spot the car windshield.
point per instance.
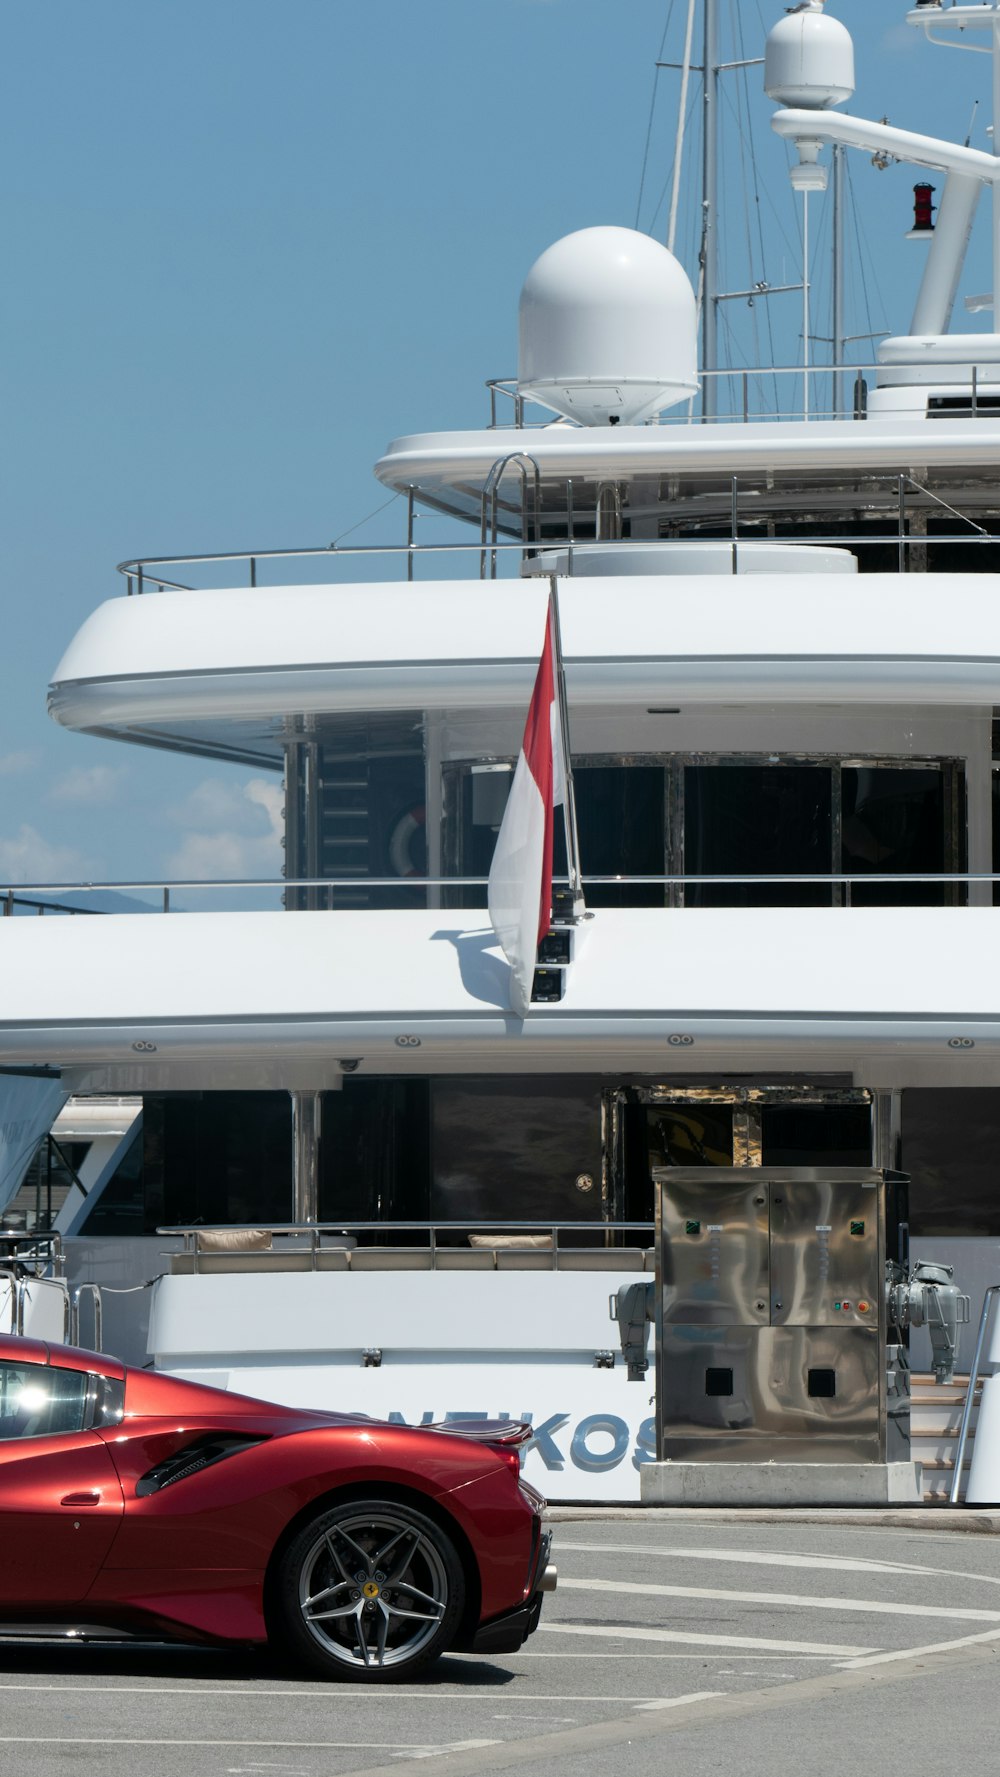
(37, 1401)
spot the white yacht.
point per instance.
(358, 1179)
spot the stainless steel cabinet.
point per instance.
(772, 1338)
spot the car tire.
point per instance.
(369, 1592)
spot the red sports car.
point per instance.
(140, 1502)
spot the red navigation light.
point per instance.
(923, 209)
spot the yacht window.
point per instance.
(816, 1135)
(895, 822)
(738, 817)
(374, 1155)
(752, 820)
(217, 1157)
(950, 1142)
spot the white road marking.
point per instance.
(831, 1651)
(885, 1607)
(547, 1654)
(452, 1746)
(912, 1653)
(834, 1563)
(421, 1747)
(676, 1702)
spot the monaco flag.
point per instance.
(520, 892)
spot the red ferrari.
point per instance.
(142, 1503)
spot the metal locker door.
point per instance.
(826, 1262)
(713, 1239)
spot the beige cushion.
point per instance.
(233, 1240)
(510, 1242)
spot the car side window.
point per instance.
(38, 1401)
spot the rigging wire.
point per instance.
(356, 527)
(861, 245)
(652, 109)
(692, 107)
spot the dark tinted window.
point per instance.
(751, 820)
(620, 818)
(816, 1135)
(951, 1140)
(37, 1401)
(375, 1153)
(217, 1157)
(894, 822)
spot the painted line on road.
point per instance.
(417, 1748)
(678, 1702)
(395, 1694)
(884, 1607)
(698, 1640)
(638, 1654)
(913, 1653)
(834, 1563)
(621, 1736)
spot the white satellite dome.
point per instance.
(809, 60)
(608, 328)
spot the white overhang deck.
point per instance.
(133, 1002)
(448, 469)
(224, 671)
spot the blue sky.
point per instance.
(247, 242)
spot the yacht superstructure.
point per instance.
(385, 1191)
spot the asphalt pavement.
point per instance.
(717, 1643)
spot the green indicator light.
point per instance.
(857, 1227)
(692, 1227)
(837, 1307)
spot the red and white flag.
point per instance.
(520, 891)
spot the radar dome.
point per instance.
(809, 60)
(608, 328)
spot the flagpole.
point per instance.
(569, 800)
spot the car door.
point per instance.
(61, 1500)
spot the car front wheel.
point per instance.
(371, 1591)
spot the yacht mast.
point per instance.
(709, 212)
(681, 127)
(838, 275)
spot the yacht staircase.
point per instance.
(935, 1417)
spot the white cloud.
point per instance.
(89, 785)
(271, 798)
(12, 764)
(228, 830)
(29, 858)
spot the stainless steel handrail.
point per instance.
(20, 1299)
(765, 378)
(256, 885)
(963, 1434)
(314, 1231)
(139, 570)
(94, 1291)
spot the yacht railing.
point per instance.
(164, 892)
(774, 392)
(540, 1238)
(901, 494)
